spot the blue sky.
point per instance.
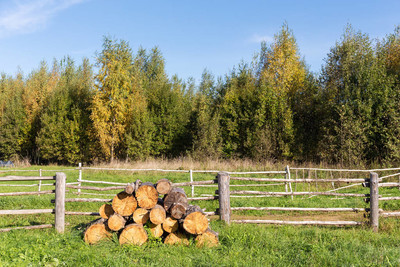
(192, 35)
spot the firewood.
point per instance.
(132, 187)
(106, 211)
(208, 239)
(195, 221)
(133, 234)
(157, 214)
(163, 186)
(141, 216)
(116, 222)
(176, 238)
(156, 229)
(176, 202)
(124, 204)
(147, 196)
(170, 225)
(96, 231)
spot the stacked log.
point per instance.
(138, 212)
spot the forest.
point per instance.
(126, 107)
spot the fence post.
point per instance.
(40, 181)
(80, 178)
(191, 180)
(287, 170)
(224, 197)
(374, 201)
(60, 202)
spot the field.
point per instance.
(241, 245)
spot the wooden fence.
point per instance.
(224, 194)
(58, 211)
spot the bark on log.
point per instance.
(176, 202)
(132, 187)
(177, 238)
(157, 214)
(140, 216)
(170, 225)
(195, 222)
(96, 231)
(124, 204)
(208, 239)
(147, 196)
(156, 229)
(106, 211)
(133, 234)
(116, 222)
(163, 186)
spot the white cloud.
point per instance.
(256, 38)
(25, 16)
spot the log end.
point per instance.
(156, 229)
(106, 211)
(177, 238)
(124, 204)
(195, 223)
(96, 233)
(170, 225)
(133, 234)
(140, 216)
(147, 196)
(207, 239)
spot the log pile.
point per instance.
(139, 211)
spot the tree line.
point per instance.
(271, 108)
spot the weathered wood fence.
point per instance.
(58, 211)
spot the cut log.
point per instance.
(163, 186)
(116, 222)
(195, 221)
(133, 234)
(124, 204)
(177, 238)
(178, 210)
(132, 187)
(156, 229)
(140, 216)
(157, 214)
(208, 239)
(170, 225)
(147, 196)
(96, 232)
(176, 195)
(106, 211)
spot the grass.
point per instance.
(241, 245)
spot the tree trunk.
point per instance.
(177, 238)
(209, 239)
(124, 204)
(156, 229)
(176, 202)
(195, 221)
(157, 214)
(147, 196)
(133, 234)
(140, 216)
(116, 222)
(170, 225)
(106, 211)
(163, 186)
(96, 231)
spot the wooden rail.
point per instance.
(334, 223)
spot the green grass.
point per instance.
(241, 245)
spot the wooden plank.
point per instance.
(87, 200)
(94, 188)
(243, 192)
(301, 209)
(27, 227)
(27, 193)
(283, 180)
(202, 198)
(25, 178)
(335, 223)
(26, 211)
(82, 213)
(196, 183)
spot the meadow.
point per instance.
(240, 244)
